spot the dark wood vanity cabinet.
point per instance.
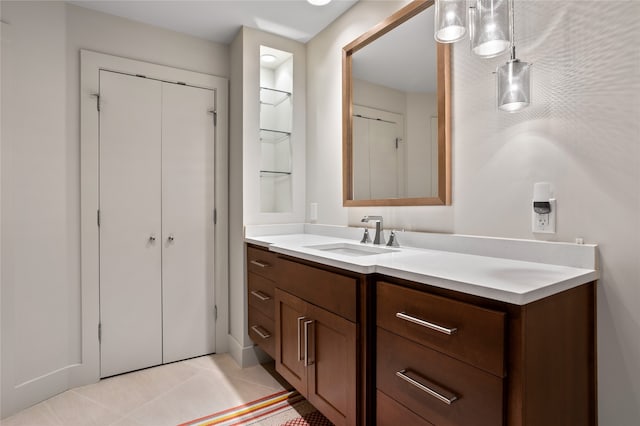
(311, 315)
(374, 350)
(449, 358)
(316, 353)
(262, 268)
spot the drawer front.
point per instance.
(466, 332)
(262, 262)
(262, 331)
(331, 291)
(261, 294)
(423, 380)
(390, 413)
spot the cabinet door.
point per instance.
(290, 318)
(187, 222)
(332, 376)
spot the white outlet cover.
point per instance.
(544, 223)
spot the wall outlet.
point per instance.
(544, 223)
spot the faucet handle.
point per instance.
(393, 240)
(366, 238)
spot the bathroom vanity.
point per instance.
(417, 336)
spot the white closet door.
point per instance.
(361, 166)
(383, 159)
(187, 222)
(130, 229)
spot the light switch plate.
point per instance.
(544, 223)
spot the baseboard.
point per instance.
(246, 356)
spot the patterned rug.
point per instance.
(285, 408)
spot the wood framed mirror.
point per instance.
(396, 113)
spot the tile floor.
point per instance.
(164, 395)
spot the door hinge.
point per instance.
(97, 96)
(215, 216)
(98, 218)
(99, 332)
(215, 312)
(215, 116)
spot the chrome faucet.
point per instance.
(379, 238)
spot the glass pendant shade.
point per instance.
(450, 20)
(514, 85)
(490, 27)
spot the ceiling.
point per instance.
(220, 20)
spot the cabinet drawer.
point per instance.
(477, 335)
(333, 292)
(390, 413)
(476, 395)
(261, 331)
(261, 294)
(262, 262)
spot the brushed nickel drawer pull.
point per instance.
(427, 324)
(447, 399)
(260, 264)
(260, 295)
(264, 334)
(308, 359)
(300, 319)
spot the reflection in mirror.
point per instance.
(395, 113)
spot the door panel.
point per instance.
(130, 201)
(187, 222)
(289, 309)
(332, 380)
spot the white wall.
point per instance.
(244, 165)
(582, 133)
(40, 154)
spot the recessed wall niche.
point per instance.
(276, 92)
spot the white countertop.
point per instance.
(513, 281)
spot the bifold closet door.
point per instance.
(187, 221)
(130, 223)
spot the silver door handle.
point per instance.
(300, 319)
(260, 264)
(307, 359)
(171, 238)
(152, 238)
(260, 295)
(447, 399)
(264, 334)
(427, 324)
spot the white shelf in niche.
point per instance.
(273, 97)
(273, 136)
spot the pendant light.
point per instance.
(513, 80)
(450, 20)
(490, 27)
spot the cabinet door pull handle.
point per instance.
(427, 324)
(308, 359)
(264, 334)
(260, 295)
(441, 394)
(260, 264)
(300, 319)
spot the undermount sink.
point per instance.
(355, 250)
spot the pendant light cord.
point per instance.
(512, 29)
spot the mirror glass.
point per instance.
(395, 113)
